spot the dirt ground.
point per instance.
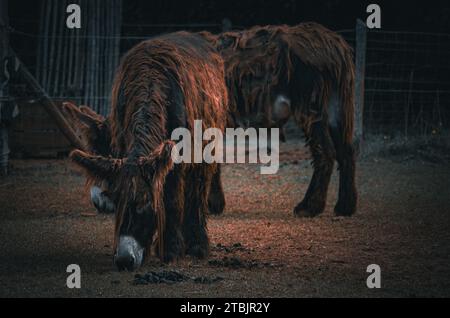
(258, 248)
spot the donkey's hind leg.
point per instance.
(323, 153)
(345, 154)
(216, 198)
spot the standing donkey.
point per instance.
(305, 71)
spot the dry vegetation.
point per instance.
(258, 247)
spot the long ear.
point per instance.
(90, 127)
(83, 114)
(155, 168)
(92, 114)
(96, 166)
(158, 164)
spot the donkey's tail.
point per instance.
(346, 88)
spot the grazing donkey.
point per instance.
(161, 84)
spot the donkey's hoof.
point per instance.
(304, 210)
(216, 204)
(198, 251)
(344, 209)
(170, 256)
(172, 251)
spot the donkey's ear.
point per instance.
(96, 166)
(158, 164)
(84, 115)
(92, 114)
(155, 169)
(90, 127)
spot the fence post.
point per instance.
(50, 107)
(360, 61)
(4, 48)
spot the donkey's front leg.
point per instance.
(323, 154)
(194, 227)
(174, 206)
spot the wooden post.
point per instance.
(50, 107)
(361, 43)
(4, 50)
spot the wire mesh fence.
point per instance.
(407, 87)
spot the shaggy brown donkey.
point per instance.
(161, 84)
(305, 71)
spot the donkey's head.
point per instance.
(93, 131)
(136, 190)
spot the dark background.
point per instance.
(335, 14)
(141, 17)
(407, 64)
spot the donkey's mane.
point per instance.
(142, 89)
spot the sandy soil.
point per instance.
(259, 248)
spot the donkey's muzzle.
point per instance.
(129, 254)
(125, 262)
